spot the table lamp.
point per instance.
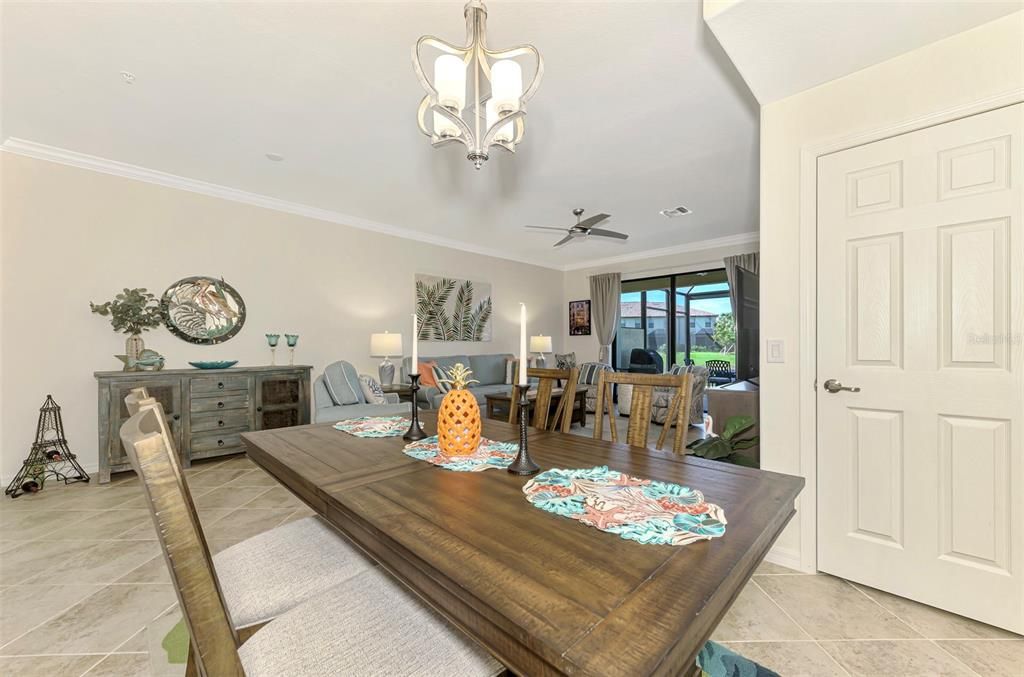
(386, 345)
(540, 345)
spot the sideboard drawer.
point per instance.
(226, 420)
(226, 403)
(217, 384)
(201, 443)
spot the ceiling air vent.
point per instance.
(674, 211)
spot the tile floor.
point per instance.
(84, 591)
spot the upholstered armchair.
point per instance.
(338, 395)
(663, 396)
(589, 373)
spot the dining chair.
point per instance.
(547, 382)
(268, 574)
(640, 407)
(367, 624)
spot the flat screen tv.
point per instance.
(747, 325)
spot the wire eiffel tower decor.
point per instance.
(50, 455)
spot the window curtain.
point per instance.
(605, 293)
(750, 261)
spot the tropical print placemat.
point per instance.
(636, 509)
(489, 454)
(374, 426)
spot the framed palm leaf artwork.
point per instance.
(453, 310)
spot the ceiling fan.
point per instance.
(583, 228)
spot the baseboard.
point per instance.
(785, 557)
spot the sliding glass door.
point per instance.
(643, 321)
(684, 318)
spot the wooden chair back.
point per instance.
(640, 407)
(547, 381)
(135, 398)
(148, 442)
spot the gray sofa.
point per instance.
(488, 369)
(350, 402)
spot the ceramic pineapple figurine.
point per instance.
(458, 419)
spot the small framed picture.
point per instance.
(579, 318)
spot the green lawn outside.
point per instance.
(699, 358)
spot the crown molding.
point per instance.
(700, 245)
(72, 158)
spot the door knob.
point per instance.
(834, 386)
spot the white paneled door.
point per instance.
(921, 313)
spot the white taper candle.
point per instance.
(415, 347)
(524, 357)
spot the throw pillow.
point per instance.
(427, 374)
(565, 360)
(440, 376)
(342, 382)
(590, 371)
(372, 391)
(510, 368)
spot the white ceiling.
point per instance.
(786, 46)
(639, 110)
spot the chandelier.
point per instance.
(493, 112)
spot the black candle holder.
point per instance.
(523, 464)
(415, 432)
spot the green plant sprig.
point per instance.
(725, 446)
(133, 311)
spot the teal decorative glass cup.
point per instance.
(292, 340)
(272, 340)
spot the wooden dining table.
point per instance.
(546, 595)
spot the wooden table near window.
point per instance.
(546, 595)
(207, 409)
(499, 405)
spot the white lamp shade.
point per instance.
(506, 85)
(450, 81)
(540, 344)
(505, 131)
(385, 345)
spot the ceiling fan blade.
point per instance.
(608, 233)
(565, 239)
(594, 220)
(546, 228)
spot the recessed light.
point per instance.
(128, 77)
(275, 157)
(675, 211)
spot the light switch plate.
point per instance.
(775, 351)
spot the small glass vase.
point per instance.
(292, 340)
(272, 340)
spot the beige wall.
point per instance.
(959, 70)
(71, 235)
(577, 283)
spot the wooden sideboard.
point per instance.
(207, 409)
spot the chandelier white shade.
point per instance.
(476, 96)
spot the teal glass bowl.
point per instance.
(214, 364)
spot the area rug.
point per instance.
(646, 511)
(374, 426)
(489, 454)
(714, 660)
